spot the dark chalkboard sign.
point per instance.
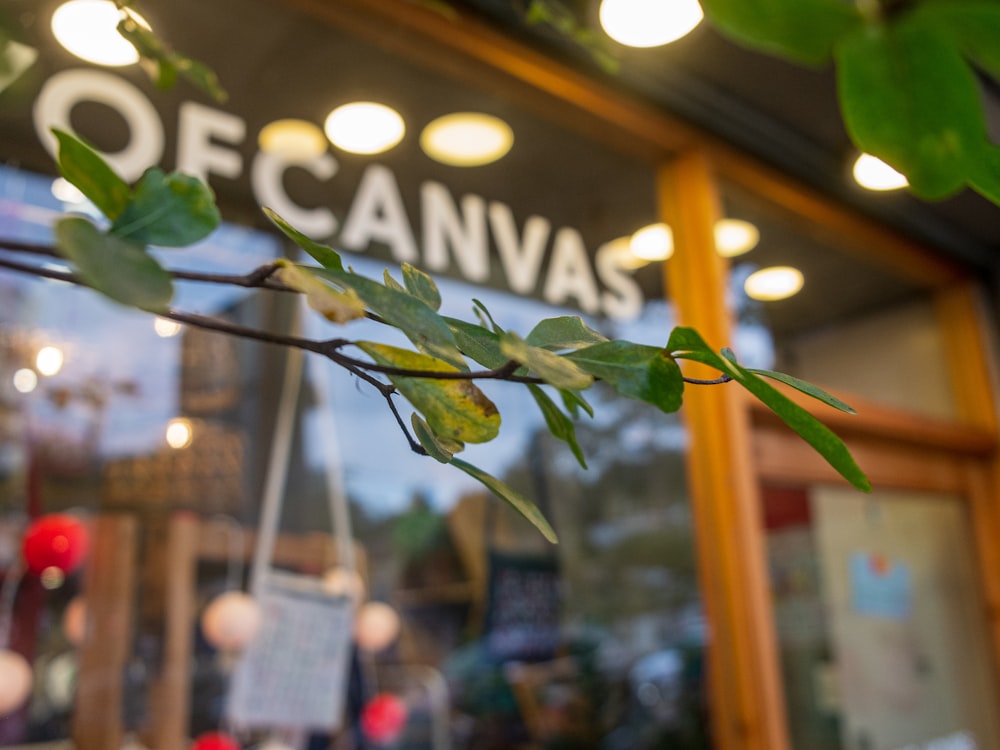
(523, 601)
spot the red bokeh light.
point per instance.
(55, 541)
(383, 718)
(215, 741)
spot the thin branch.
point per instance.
(712, 381)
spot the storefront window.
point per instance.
(880, 620)
(504, 640)
(856, 324)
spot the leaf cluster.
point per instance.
(908, 77)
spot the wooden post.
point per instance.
(744, 673)
(171, 693)
(109, 589)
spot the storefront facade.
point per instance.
(716, 584)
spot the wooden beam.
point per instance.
(744, 673)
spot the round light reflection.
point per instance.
(774, 283)
(364, 127)
(165, 328)
(89, 30)
(653, 242)
(874, 174)
(49, 360)
(644, 23)
(25, 380)
(295, 140)
(179, 433)
(734, 237)
(467, 139)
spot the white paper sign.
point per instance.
(294, 673)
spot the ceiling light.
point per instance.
(653, 242)
(364, 127)
(89, 30)
(873, 173)
(734, 237)
(649, 23)
(777, 282)
(467, 139)
(621, 250)
(296, 140)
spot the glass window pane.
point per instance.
(504, 639)
(880, 619)
(856, 325)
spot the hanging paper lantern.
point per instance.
(15, 681)
(74, 620)
(383, 718)
(55, 541)
(231, 620)
(376, 626)
(215, 741)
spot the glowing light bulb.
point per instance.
(874, 174)
(231, 620)
(653, 242)
(295, 140)
(89, 30)
(25, 380)
(165, 328)
(649, 23)
(770, 284)
(364, 127)
(467, 139)
(49, 360)
(180, 433)
(734, 237)
(16, 678)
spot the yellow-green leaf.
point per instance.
(333, 304)
(455, 409)
(552, 368)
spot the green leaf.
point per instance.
(425, 328)
(558, 423)
(553, 369)
(686, 343)
(808, 388)
(325, 256)
(636, 371)
(477, 343)
(514, 498)
(391, 282)
(168, 210)
(575, 402)
(566, 332)
(985, 173)
(117, 268)
(421, 286)
(803, 31)
(82, 166)
(439, 448)
(974, 25)
(454, 409)
(909, 97)
(169, 63)
(332, 304)
(484, 316)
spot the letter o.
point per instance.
(65, 90)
